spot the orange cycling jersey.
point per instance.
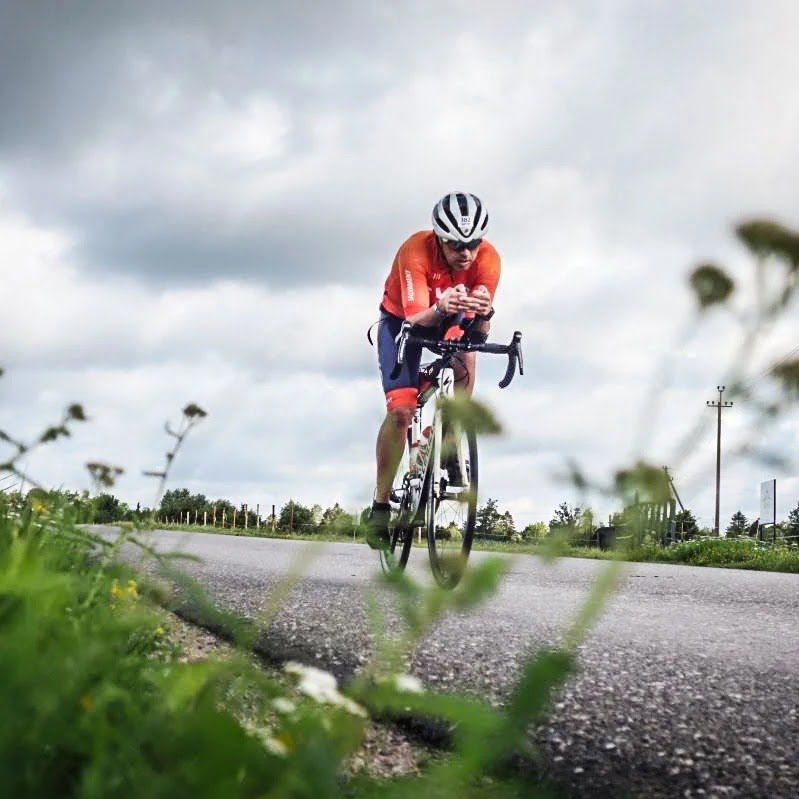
(420, 274)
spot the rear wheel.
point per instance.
(450, 511)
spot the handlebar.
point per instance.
(449, 347)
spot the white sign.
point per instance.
(768, 502)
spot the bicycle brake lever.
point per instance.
(514, 355)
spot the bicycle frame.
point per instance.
(423, 483)
(445, 390)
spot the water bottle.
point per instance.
(423, 450)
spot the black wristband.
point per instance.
(485, 317)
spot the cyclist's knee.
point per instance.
(400, 416)
(400, 406)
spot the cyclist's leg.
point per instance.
(400, 393)
(389, 447)
(464, 366)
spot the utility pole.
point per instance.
(719, 405)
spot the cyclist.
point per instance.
(438, 278)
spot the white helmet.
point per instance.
(460, 216)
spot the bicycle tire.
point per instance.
(450, 518)
(405, 500)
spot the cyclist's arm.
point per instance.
(416, 292)
(486, 279)
(481, 297)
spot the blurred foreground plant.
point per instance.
(97, 705)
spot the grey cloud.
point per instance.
(78, 83)
(67, 67)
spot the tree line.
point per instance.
(180, 506)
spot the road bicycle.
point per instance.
(435, 489)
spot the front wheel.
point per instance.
(405, 498)
(400, 533)
(451, 508)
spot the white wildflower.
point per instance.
(283, 705)
(322, 686)
(408, 684)
(271, 744)
(275, 747)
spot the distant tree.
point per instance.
(685, 524)
(80, 505)
(792, 523)
(505, 525)
(488, 519)
(336, 521)
(107, 509)
(566, 517)
(179, 501)
(737, 525)
(296, 518)
(576, 522)
(536, 531)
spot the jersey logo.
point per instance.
(409, 285)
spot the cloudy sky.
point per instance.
(200, 202)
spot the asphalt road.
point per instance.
(689, 683)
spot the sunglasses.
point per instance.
(458, 246)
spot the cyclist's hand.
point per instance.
(454, 299)
(479, 301)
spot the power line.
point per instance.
(768, 370)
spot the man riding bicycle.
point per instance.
(438, 278)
